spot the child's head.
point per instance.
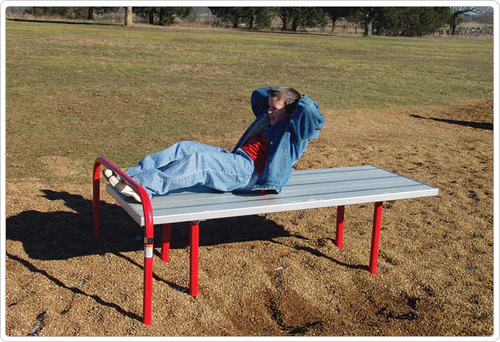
(282, 102)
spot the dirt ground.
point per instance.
(276, 274)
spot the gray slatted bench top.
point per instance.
(306, 189)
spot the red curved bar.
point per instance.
(148, 227)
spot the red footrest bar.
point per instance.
(148, 227)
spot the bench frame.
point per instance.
(194, 235)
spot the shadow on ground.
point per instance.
(479, 125)
(61, 235)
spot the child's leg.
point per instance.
(161, 159)
(210, 166)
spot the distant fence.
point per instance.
(468, 31)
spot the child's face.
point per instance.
(276, 110)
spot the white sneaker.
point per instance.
(126, 190)
(110, 177)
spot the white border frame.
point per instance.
(8, 3)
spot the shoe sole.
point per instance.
(126, 190)
(110, 177)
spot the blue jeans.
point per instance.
(188, 163)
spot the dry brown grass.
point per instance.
(435, 275)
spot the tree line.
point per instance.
(390, 21)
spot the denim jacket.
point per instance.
(288, 138)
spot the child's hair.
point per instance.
(289, 96)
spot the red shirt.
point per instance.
(258, 148)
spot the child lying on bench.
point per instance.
(262, 160)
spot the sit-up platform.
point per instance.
(306, 189)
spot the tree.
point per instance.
(367, 15)
(335, 13)
(87, 13)
(456, 12)
(234, 15)
(147, 13)
(410, 21)
(128, 16)
(295, 17)
(484, 15)
(311, 17)
(168, 14)
(92, 11)
(286, 14)
(251, 17)
(52, 11)
(264, 16)
(230, 15)
(165, 15)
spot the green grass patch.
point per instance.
(83, 91)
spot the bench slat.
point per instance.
(306, 189)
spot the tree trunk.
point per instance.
(151, 17)
(284, 27)
(90, 15)
(367, 27)
(295, 24)
(454, 20)
(128, 16)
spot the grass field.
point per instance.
(147, 87)
(421, 107)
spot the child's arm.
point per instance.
(306, 120)
(259, 100)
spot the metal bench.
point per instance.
(307, 189)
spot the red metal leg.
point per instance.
(194, 242)
(149, 233)
(340, 226)
(96, 201)
(147, 308)
(377, 223)
(165, 241)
